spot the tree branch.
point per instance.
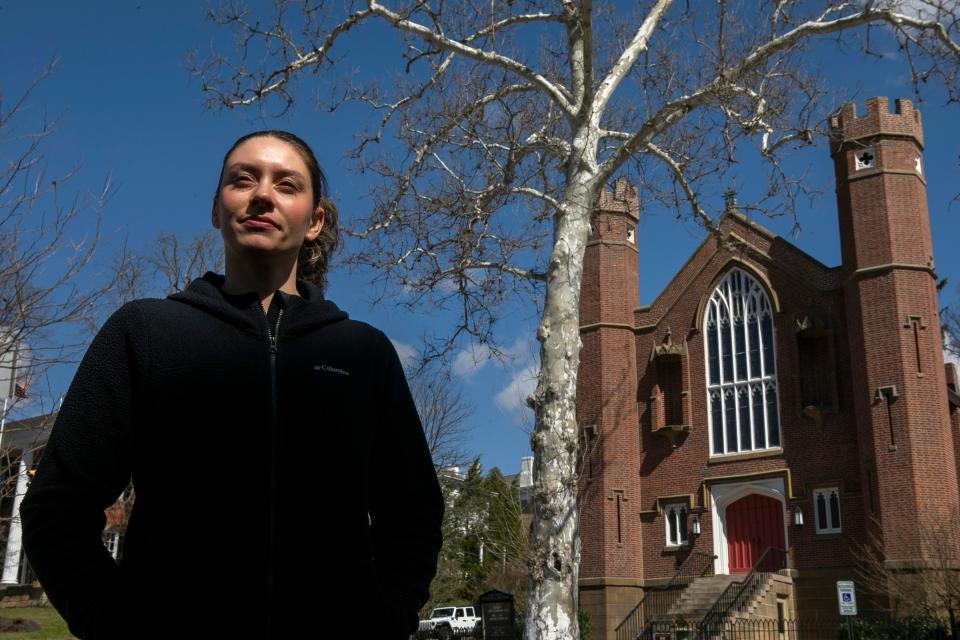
(557, 92)
(621, 68)
(302, 60)
(674, 110)
(688, 191)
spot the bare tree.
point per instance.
(950, 326)
(950, 318)
(49, 284)
(930, 590)
(444, 413)
(167, 265)
(950, 323)
(47, 278)
(509, 120)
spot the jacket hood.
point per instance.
(309, 312)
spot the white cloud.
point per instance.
(523, 347)
(513, 398)
(446, 286)
(406, 352)
(469, 361)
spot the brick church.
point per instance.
(765, 400)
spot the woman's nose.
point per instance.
(262, 192)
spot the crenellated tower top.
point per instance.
(846, 126)
(623, 199)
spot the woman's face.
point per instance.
(264, 205)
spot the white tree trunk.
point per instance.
(555, 541)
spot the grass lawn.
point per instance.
(53, 626)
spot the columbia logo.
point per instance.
(326, 367)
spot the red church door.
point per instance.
(754, 523)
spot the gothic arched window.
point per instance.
(741, 372)
(676, 517)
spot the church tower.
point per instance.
(899, 386)
(607, 410)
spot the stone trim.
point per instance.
(870, 173)
(881, 132)
(684, 498)
(746, 477)
(889, 267)
(622, 243)
(605, 325)
(619, 581)
(914, 564)
(740, 263)
(732, 457)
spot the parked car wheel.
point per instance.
(444, 633)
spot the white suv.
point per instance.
(448, 622)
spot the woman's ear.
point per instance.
(215, 214)
(316, 226)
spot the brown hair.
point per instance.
(314, 258)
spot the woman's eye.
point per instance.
(290, 186)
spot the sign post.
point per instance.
(847, 599)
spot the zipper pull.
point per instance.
(276, 331)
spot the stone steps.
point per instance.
(700, 596)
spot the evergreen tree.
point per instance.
(484, 539)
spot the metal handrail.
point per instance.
(655, 602)
(738, 593)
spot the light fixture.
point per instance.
(696, 526)
(797, 516)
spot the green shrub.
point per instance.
(912, 628)
(585, 626)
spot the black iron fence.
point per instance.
(658, 600)
(863, 629)
(739, 594)
(919, 628)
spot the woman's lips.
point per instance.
(258, 223)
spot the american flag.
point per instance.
(21, 389)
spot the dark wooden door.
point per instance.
(754, 523)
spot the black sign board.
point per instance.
(498, 616)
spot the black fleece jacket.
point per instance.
(284, 487)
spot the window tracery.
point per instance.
(741, 367)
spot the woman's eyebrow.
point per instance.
(252, 167)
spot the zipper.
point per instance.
(272, 517)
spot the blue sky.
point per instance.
(129, 109)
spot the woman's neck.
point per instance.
(264, 279)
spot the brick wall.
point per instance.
(844, 331)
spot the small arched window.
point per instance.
(827, 503)
(741, 368)
(676, 519)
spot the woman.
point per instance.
(284, 486)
